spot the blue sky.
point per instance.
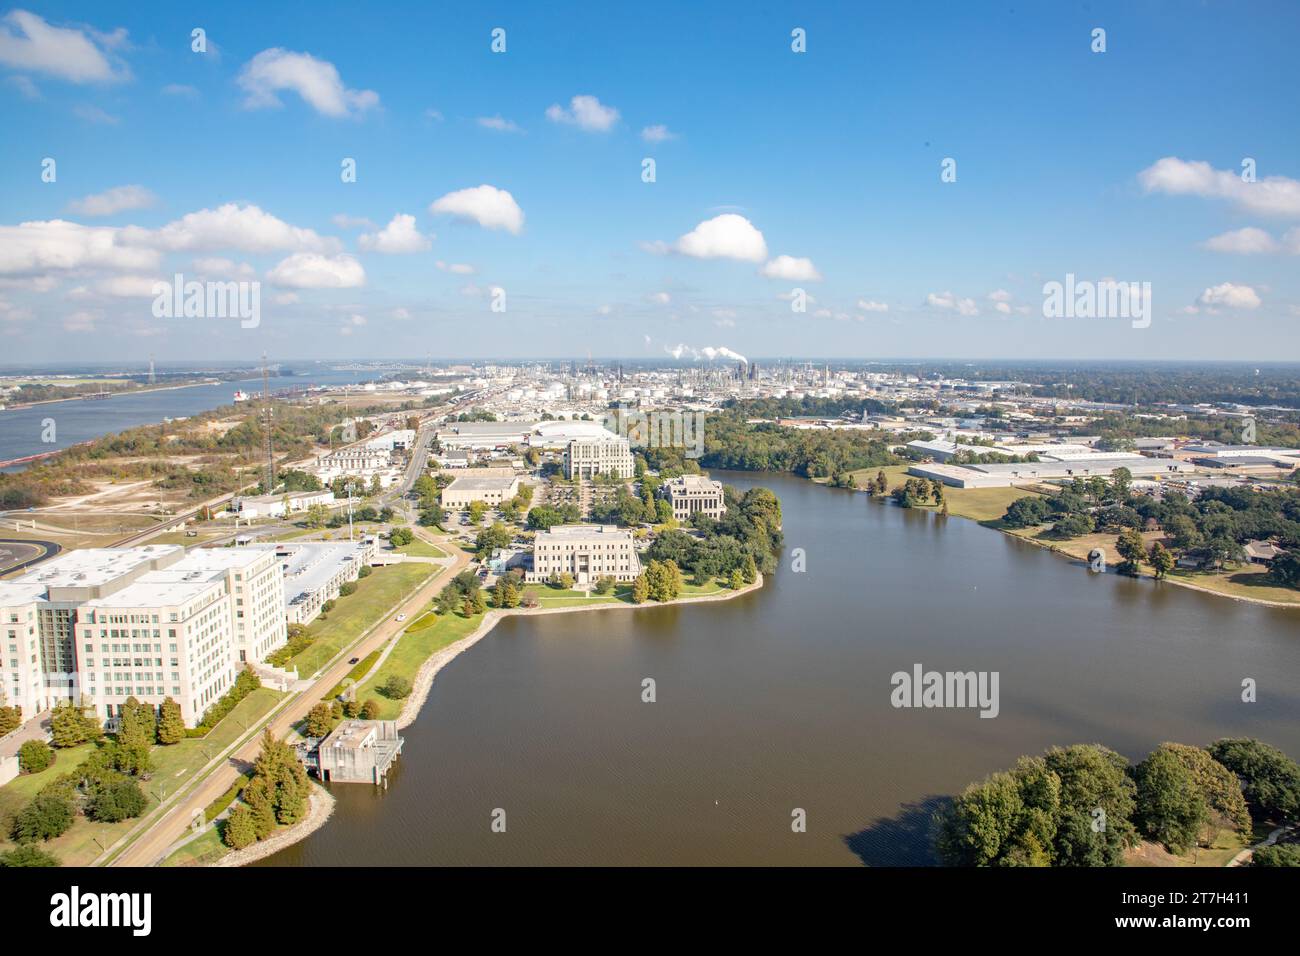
(1123, 164)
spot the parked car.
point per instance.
(355, 660)
(401, 617)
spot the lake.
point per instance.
(780, 699)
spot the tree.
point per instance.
(1216, 783)
(401, 537)
(882, 483)
(1130, 546)
(565, 581)
(370, 710)
(69, 727)
(1161, 559)
(27, 855)
(477, 509)
(737, 580)
(396, 687)
(48, 815)
(1279, 854)
(316, 516)
(240, 830)
(640, 589)
(119, 800)
(11, 718)
(1072, 526)
(319, 721)
(1269, 778)
(749, 568)
(171, 723)
(34, 756)
(1026, 512)
(138, 724)
(1170, 807)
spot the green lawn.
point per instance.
(200, 851)
(173, 767)
(376, 597)
(421, 549)
(414, 647)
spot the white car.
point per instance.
(401, 617)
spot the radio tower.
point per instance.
(151, 378)
(266, 423)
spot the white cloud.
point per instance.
(660, 298)
(585, 112)
(455, 268)
(657, 134)
(309, 270)
(24, 86)
(80, 322)
(401, 314)
(93, 114)
(344, 221)
(79, 56)
(433, 114)
(316, 81)
(398, 237)
(1229, 296)
(951, 303)
(218, 266)
(1271, 196)
(490, 207)
(127, 287)
(286, 298)
(231, 226)
(32, 248)
(870, 305)
(1245, 242)
(112, 201)
(728, 236)
(791, 269)
(498, 123)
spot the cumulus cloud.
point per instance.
(792, 269)
(127, 287)
(585, 112)
(729, 236)
(316, 81)
(455, 268)
(488, 206)
(951, 303)
(344, 221)
(310, 270)
(218, 266)
(398, 237)
(1271, 196)
(1244, 242)
(498, 123)
(93, 114)
(660, 298)
(657, 134)
(33, 248)
(112, 201)
(870, 305)
(231, 226)
(28, 42)
(1226, 295)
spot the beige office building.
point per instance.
(491, 489)
(694, 494)
(586, 551)
(588, 457)
(100, 625)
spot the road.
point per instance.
(151, 847)
(16, 554)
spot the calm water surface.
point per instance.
(780, 699)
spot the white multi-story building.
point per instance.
(277, 506)
(103, 624)
(690, 495)
(588, 457)
(588, 552)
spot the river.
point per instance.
(780, 699)
(78, 420)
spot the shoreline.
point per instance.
(423, 683)
(1055, 548)
(421, 687)
(320, 809)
